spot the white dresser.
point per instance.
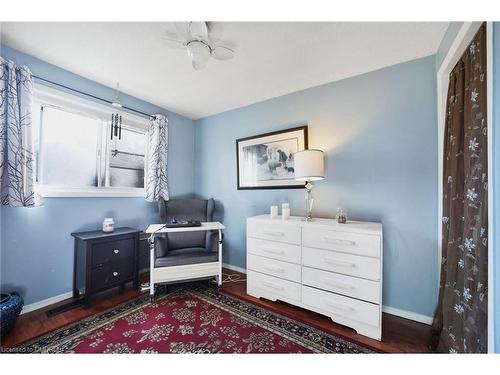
(333, 269)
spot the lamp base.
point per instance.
(309, 202)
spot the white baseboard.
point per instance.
(234, 268)
(408, 315)
(46, 302)
(386, 309)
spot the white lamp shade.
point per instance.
(309, 165)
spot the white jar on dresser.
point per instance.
(333, 269)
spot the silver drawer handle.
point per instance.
(339, 242)
(276, 234)
(273, 269)
(339, 262)
(116, 251)
(337, 307)
(340, 285)
(115, 273)
(273, 286)
(271, 251)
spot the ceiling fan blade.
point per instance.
(199, 30)
(182, 29)
(214, 31)
(172, 41)
(222, 53)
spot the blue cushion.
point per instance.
(191, 255)
(185, 209)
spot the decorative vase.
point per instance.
(274, 212)
(341, 216)
(10, 308)
(108, 225)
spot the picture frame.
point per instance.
(265, 161)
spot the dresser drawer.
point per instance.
(110, 274)
(274, 267)
(366, 290)
(260, 285)
(274, 232)
(332, 305)
(275, 250)
(352, 243)
(353, 265)
(112, 251)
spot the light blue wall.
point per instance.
(37, 249)
(496, 178)
(447, 41)
(379, 133)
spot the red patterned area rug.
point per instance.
(192, 318)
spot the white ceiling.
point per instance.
(272, 59)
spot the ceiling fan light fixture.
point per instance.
(199, 52)
(201, 40)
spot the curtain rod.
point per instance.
(92, 96)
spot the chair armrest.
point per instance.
(161, 245)
(213, 240)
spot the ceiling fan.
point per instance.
(201, 40)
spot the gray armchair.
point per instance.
(177, 249)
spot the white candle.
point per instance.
(285, 213)
(274, 212)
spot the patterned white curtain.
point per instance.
(156, 169)
(17, 164)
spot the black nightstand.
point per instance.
(104, 261)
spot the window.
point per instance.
(127, 157)
(75, 153)
(68, 148)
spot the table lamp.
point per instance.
(309, 166)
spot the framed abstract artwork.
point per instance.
(265, 161)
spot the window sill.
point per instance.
(90, 192)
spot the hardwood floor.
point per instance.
(399, 335)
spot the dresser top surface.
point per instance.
(98, 234)
(321, 223)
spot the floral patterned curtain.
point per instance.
(156, 168)
(17, 164)
(460, 324)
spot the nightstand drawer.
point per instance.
(275, 250)
(110, 274)
(352, 243)
(274, 232)
(273, 267)
(112, 251)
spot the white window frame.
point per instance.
(47, 96)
